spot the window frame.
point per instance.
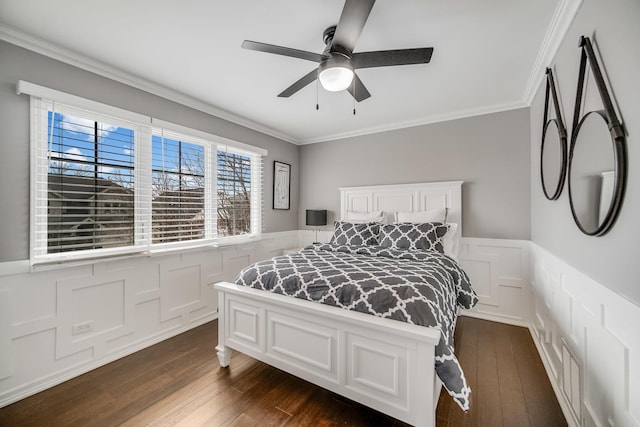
(89, 169)
(144, 128)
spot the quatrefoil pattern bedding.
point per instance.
(355, 234)
(414, 286)
(425, 236)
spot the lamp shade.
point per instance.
(316, 217)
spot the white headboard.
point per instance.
(405, 198)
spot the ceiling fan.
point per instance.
(338, 62)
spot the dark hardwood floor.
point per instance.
(179, 382)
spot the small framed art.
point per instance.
(281, 185)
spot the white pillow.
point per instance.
(362, 217)
(430, 215)
(450, 241)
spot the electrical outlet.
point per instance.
(82, 328)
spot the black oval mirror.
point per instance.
(592, 173)
(553, 147)
(597, 157)
(553, 160)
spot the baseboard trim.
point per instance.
(495, 318)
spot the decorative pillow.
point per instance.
(361, 217)
(430, 215)
(358, 234)
(425, 236)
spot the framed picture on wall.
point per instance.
(281, 185)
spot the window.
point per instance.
(90, 184)
(108, 182)
(177, 188)
(234, 194)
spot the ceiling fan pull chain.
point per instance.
(317, 90)
(354, 96)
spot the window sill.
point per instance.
(45, 265)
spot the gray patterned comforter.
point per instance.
(419, 287)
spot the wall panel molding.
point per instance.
(499, 272)
(6, 312)
(585, 333)
(61, 322)
(102, 303)
(588, 341)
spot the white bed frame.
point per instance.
(381, 363)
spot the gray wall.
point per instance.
(20, 64)
(490, 153)
(612, 259)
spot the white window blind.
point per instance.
(85, 182)
(91, 184)
(179, 187)
(239, 177)
(233, 182)
(108, 182)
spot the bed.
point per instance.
(385, 364)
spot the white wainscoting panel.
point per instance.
(6, 311)
(588, 339)
(499, 273)
(182, 289)
(307, 237)
(103, 303)
(60, 322)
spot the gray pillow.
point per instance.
(426, 236)
(348, 233)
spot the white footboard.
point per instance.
(381, 363)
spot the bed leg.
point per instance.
(224, 355)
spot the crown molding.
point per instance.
(454, 115)
(83, 62)
(562, 18)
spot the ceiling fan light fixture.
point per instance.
(335, 74)
(336, 78)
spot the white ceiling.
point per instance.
(488, 56)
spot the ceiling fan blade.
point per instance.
(285, 51)
(386, 58)
(308, 78)
(354, 16)
(358, 90)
